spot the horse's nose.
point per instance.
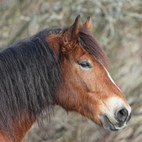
(122, 115)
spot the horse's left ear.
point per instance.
(70, 37)
(88, 24)
(72, 33)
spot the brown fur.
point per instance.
(81, 91)
(19, 131)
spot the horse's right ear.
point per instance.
(88, 24)
(72, 33)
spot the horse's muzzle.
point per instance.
(121, 117)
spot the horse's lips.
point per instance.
(107, 124)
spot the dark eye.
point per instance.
(85, 65)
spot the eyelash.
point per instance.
(85, 65)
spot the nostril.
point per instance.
(122, 115)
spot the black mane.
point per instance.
(29, 77)
(30, 74)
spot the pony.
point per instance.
(58, 66)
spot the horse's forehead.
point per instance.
(79, 51)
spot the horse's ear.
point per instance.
(73, 31)
(88, 24)
(70, 37)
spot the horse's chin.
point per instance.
(107, 124)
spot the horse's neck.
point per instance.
(3, 138)
(19, 131)
(21, 128)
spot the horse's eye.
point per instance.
(85, 65)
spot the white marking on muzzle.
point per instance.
(113, 104)
(127, 107)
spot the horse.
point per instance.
(58, 66)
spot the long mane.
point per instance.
(30, 74)
(29, 77)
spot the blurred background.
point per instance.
(117, 24)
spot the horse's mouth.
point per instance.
(107, 124)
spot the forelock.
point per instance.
(90, 44)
